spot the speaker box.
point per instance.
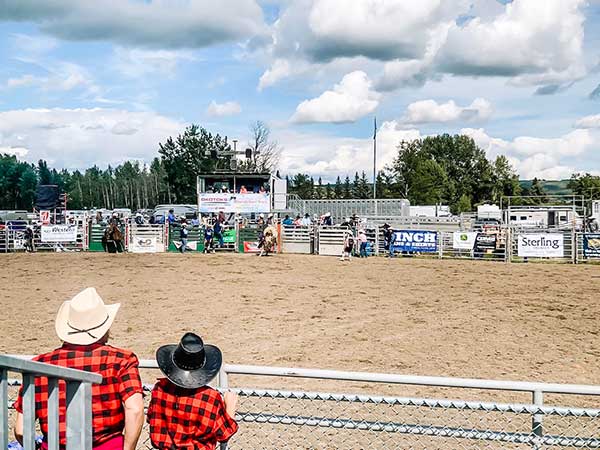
(46, 197)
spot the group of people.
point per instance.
(184, 411)
(213, 229)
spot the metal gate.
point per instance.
(330, 240)
(297, 239)
(146, 238)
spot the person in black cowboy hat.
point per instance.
(184, 412)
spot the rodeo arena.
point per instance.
(476, 331)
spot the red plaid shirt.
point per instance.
(193, 419)
(120, 380)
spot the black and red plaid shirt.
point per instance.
(120, 380)
(191, 419)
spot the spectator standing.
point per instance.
(327, 220)
(306, 222)
(287, 221)
(184, 412)
(298, 221)
(83, 325)
(171, 217)
(362, 239)
(243, 190)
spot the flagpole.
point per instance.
(375, 159)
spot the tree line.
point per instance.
(443, 169)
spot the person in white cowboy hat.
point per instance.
(83, 324)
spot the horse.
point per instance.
(112, 239)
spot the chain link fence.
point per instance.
(278, 419)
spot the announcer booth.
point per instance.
(245, 193)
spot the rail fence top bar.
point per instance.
(468, 383)
(23, 365)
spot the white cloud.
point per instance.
(34, 44)
(429, 111)
(62, 76)
(349, 100)
(548, 158)
(136, 63)
(20, 152)
(223, 109)
(79, 138)
(530, 42)
(588, 122)
(330, 156)
(156, 24)
(280, 69)
(529, 37)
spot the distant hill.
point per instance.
(551, 187)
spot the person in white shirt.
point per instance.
(306, 222)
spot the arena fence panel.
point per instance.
(541, 245)
(147, 238)
(330, 240)
(78, 405)
(297, 239)
(284, 419)
(588, 248)
(487, 245)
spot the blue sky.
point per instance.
(100, 82)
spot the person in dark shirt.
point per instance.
(208, 240)
(219, 233)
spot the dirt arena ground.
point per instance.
(406, 316)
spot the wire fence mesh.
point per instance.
(278, 419)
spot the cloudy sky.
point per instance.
(87, 82)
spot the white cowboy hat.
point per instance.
(85, 318)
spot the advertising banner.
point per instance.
(463, 241)
(59, 233)
(251, 247)
(144, 244)
(45, 217)
(591, 245)
(541, 245)
(229, 237)
(234, 203)
(485, 242)
(415, 241)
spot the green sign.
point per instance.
(229, 237)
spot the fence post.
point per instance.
(53, 415)
(440, 238)
(3, 409)
(79, 415)
(223, 383)
(574, 246)
(28, 411)
(508, 248)
(537, 419)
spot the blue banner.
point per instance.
(591, 245)
(415, 241)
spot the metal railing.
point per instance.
(279, 418)
(78, 401)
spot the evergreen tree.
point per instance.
(347, 188)
(338, 190)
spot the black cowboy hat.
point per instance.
(191, 363)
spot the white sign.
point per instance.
(541, 245)
(59, 233)
(45, 217)
(463, 241)
(144, 244)
(234, 203)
